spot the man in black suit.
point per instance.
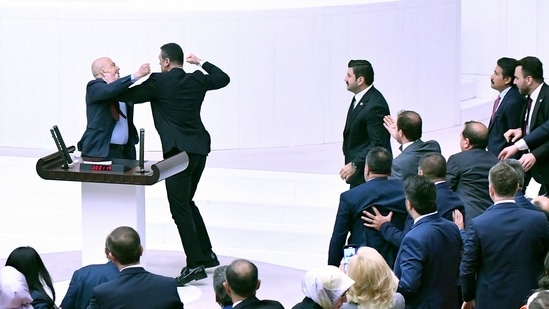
(176, 99)
(507, 106)
(110, 132)
(467, 171)
(407, 132)
(242, 283)
(134, 287)
(388, 197)
(364, 125)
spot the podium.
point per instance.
(110, 198)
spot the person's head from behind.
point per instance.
(421, 195)
(242, 279)
(433, 166)
(327, 286)
(538, 300)
(543, 282)
(28, 262)
(378, 162)
(504, 74)
(171, 56)
(375, 283)
(221, 296)
(474, 135)
(517, 166)
(409, 126)
(360, 75)
(124, 246)
(528, 74)
(502, 182)
(104, 66)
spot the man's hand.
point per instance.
(468, 304)
(390, 124)
(513, 135)
(347, 171)
(377, 220)
(527, 160)
(144, 70)
(508, 152)
(458, 219)
(192, 59)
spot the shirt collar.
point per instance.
(359, 95)
(423, 216)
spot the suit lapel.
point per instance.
(351, 115)
(541, 96)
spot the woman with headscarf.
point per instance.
(324, 288)
(14, 291)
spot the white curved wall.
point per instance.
(286, 63)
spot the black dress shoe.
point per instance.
(189, 274)
(212, 261)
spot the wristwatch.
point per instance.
(354, 165)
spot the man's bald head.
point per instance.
(103, 65)
(476, 133)
(242, 278)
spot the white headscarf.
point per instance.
(326, 285)
(14, 291)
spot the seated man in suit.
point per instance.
(242, 283)
(388, 196)
(427, 264)
(134, 287)
(505, 248)
(85, 279)
(221, 296)
(520, 198)
(467, 171)
(407, 132)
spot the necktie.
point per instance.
(495, 107)
(525, 128)
(115, 111)
(353, 103)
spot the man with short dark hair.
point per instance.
(505, 248)
(407, 132)
(467, 171)
(242, 283)
(364, 125)
(134, 287)
(221, 296)
(427, 264)
(388, 197)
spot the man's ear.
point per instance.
(258, 284)
(227, 288)
(111, 257)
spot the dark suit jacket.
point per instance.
(41, 300)
(387, 195)
(448, 201)
(467, 175)
(136, 288)
(364, 130)
(96, 139)
(503, 256)
(84, 280)
(254, 303)
(538, 136)
(176, 99)
(540, 114)
(427, 264)
(406, 163)
(507, 117)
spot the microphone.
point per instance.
(141, 150)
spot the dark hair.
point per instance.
(541, 301)
(28, 262)
(515, 164)
(433, 165)
(218, 278)
(410, 123)
(477, 133)
(124, 243)
(421, 192)
(503, 179)
(173, 52)
(362, 68)
(379, 160)
(543, 282)
(242, 277)
(508, 66)
(531, 66)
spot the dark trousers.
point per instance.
(181, 188)
(122, 151)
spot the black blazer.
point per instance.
(540, 114)
(100, 124)
(507, 117)
(176, 99)
(364, 130)
(538, 136)
(136, 288)
(254, 303)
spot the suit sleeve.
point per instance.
(144, 92)
(40, 301)
(452, 173)
(538, 136)
(392, 234)
(69, 301)
(342, 226)
(94, 301)
(99, 90)
(412, 257)
(470, 263)
(216, 78)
